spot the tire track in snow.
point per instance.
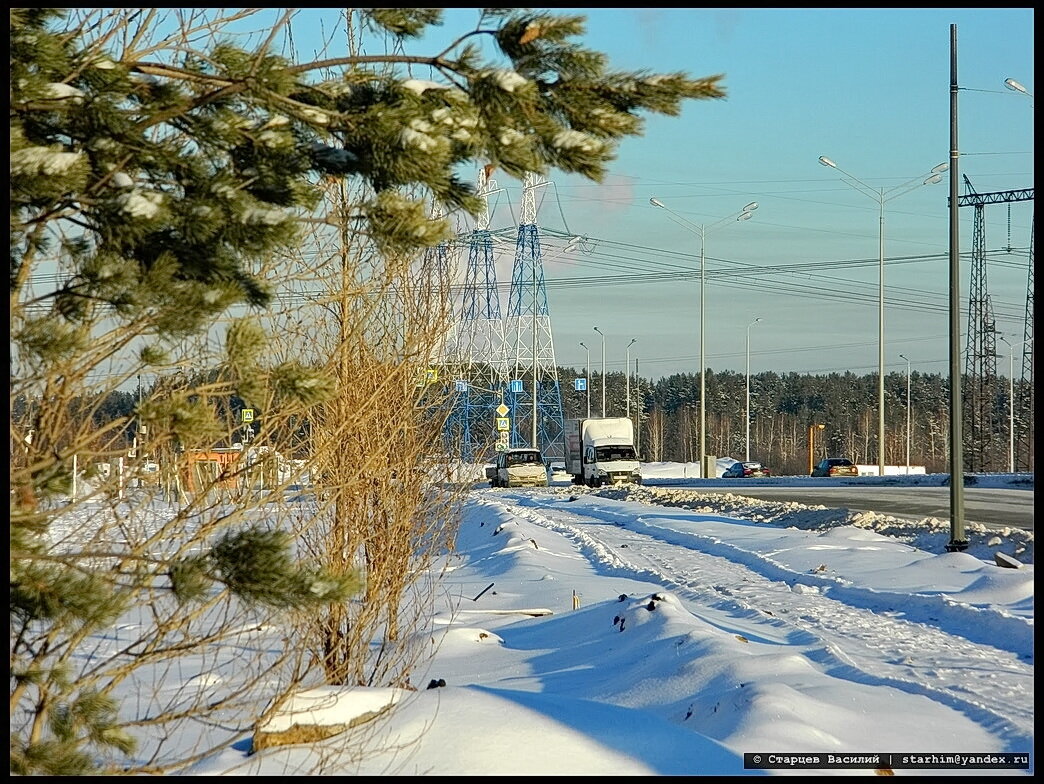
(849, 642)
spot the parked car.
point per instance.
(558, 471)
(745, 468)
(835, 466)
(520, 468)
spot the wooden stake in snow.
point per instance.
(482, 592)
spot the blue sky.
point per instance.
(868, 88)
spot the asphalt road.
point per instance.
(996, 507)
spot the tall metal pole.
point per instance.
(596, 329)
(958, 542)
(627, 381)
(588, 384)
(1011, 400)
(744, 214)
(880, 342)
(907, 414)
(751, 324)
(881, 196)
(637, 410)
(703, 361)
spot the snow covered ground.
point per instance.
(672, 631)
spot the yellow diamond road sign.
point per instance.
(502, 410)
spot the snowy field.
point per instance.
(672, 631)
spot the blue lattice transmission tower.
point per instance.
(983, 426)
(478, 361)
(535, 399)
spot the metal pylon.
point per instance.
(982, 417)
(1024, 409)
(434, 282)
(481, 347)
(534, 389)
(980, 358)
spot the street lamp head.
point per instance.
(1011, 84)
(744, 216)
(633, 341)
(827, 162)
(940, 168)
(933, 179)
(750, 207)
(582, 344)
(656, 203)
(596, 329)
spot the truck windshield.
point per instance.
(523, 458)
(608, 453)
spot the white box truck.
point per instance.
(601, 451)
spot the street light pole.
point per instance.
(596, 329)
(1011, 400)
(701, 230)
(627, 381)
(958, 541)
(751, 324)
(881, 196)
(907, 414)
(588, 384)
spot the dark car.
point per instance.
(835, 466)
(745, 468)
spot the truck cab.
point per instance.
(611, 464)
(521, 467)
(601, 451)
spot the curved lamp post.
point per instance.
(701, 230)
(596, 329)
(881, 196)
(1011, 399)
(627, 376)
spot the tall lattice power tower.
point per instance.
(534, 396)
(479, 361)
(983, 418)
(1024, 432)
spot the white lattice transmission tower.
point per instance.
(535, 396)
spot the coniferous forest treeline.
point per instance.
(783, 406)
